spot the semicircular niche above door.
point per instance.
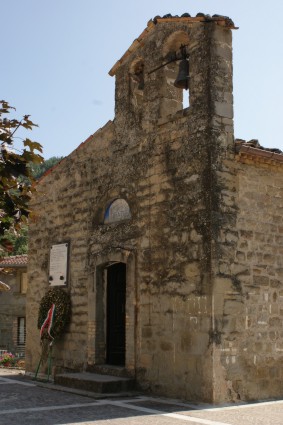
(118, 210)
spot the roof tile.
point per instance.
(14, 260)
(185, 17)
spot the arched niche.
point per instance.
(117, 210)
(174, 99)
(137, 82)
(174, 41)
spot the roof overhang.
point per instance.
(248, 152)
(223, 21)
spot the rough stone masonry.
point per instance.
(200, 245)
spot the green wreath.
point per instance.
(62, 302)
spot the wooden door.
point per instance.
(116, 302)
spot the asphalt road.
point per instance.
(24, 402)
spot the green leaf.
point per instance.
(16, 179)
(33, 145)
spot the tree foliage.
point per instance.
(16, 178)
(39, 169)
(16, 243)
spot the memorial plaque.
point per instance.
(58, 264)
(117, 211)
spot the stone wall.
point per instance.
(251, 350)
(164, 238)
(64, 211)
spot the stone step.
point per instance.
(105, 369)
(93, 382)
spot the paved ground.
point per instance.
(23, 402)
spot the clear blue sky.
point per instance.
(56, 54)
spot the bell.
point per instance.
(182, 80)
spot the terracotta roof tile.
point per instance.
(254, 143)
(200, 17)
(185, 17)
(253, 149)
(14, 261)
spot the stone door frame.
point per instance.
(97, 308)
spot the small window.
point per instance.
(24, 283)
(21, 330)
(118, 210)
(186, 99)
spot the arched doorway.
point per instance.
(115, 314)
(115, 267)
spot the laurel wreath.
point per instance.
(62, 302)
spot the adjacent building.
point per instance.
(13, 289)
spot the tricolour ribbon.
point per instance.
(48, 322)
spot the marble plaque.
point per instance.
(58, 264)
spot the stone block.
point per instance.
(166, 346)
(147, 332)
(275, 322)
(192, 270)
(261, 280)
(233, 307)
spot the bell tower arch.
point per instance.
(175, 54)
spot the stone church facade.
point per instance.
(174, 229)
